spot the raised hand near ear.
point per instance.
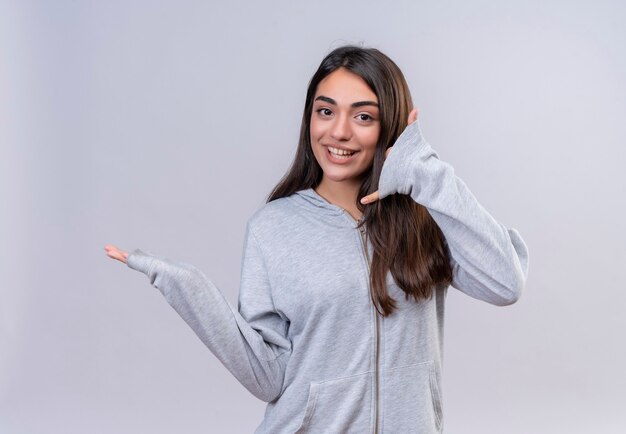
(116, 253)
(371, 198)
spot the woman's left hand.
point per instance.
(371, 198)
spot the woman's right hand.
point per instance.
(116, 253)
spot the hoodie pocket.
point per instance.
(338, 405)
(412, 399)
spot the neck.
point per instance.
(341, 193)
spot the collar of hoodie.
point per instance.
(335, 214)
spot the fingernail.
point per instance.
(363, 200)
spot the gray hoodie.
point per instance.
(306, 338)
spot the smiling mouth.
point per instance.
(340, 153)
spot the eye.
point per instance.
(367, 117)
(324, 111)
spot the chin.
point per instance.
(341, 176)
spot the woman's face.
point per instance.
(345, 117)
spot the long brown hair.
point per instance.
(405, 238)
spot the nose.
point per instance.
(341, 129)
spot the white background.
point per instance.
(164, 125)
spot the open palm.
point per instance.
(115, 253)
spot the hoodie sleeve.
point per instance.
(252, 342)
(489, 261)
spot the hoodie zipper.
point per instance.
(367, 261)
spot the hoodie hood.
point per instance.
(311, 200)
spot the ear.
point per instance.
(413, 116)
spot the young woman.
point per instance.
(345, 269)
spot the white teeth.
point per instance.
(340, 152)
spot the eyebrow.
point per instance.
(354, 104)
